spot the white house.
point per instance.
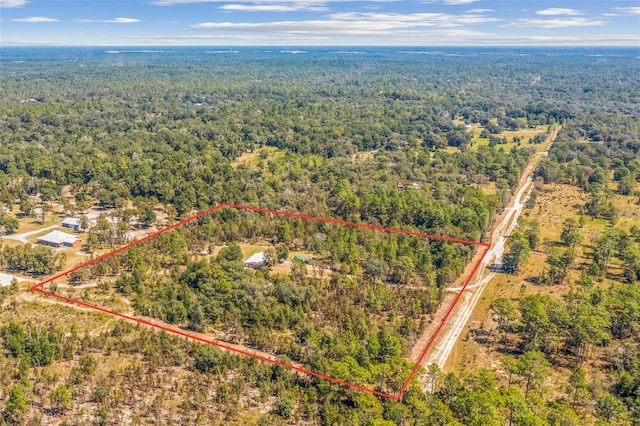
(257, 260)
(72, 223)
(60, 239)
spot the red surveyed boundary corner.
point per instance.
(397, 397)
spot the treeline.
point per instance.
(587, 325)
(28, 259)
(174, 379)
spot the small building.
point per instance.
(60, 239)
(257, 260)
(72, 223)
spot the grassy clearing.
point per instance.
(363, 156)
(523, 134)
(251, 159)
(558, 202)
(29, 224)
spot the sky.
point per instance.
(320, 22)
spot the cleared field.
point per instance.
(521, 136)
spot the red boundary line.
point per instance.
(260, 357)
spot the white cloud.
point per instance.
(284, 7)
(611, 14)
(35, 19)
(479, 10)
(109, 21)
(359, 24)
(555, 11)
(459, 1)
(182, 38)
(554, 23)
(325, 33)
(413, 19)
(121, 21)
(290, 3)
(12, 3)
(634, 10)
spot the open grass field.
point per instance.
(251, 159)
(523, 134)
(29, 224)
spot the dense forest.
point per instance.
(382, 139)
(388, 284)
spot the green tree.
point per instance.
(517, 253)
(578, 388)
(608, 408)
(196, 319)
(26, 208)
(61, 399)
(588, 325)
(504, 314)
(17, 406)
(532, 233)
(284, 232)
(604, 250)
(10, 224)
(231, 253)
(571, 235)
(146, 214)
(510, 365)
(282, 252)
(88, 364)
(626, 185)
(284, 406)
(535, 319)
(376, 269)
(534, 369)
(209, 359)
(561, 262)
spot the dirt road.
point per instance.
(503, 226)
(453, 328)
(23, 236)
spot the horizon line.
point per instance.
(307, 46)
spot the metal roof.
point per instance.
(59, 237)
(256, 258)
(72, 221)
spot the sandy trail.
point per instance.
(5, 279)
(453, 328)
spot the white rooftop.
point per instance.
(71, 221)
(256, 258)
(59, 237)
